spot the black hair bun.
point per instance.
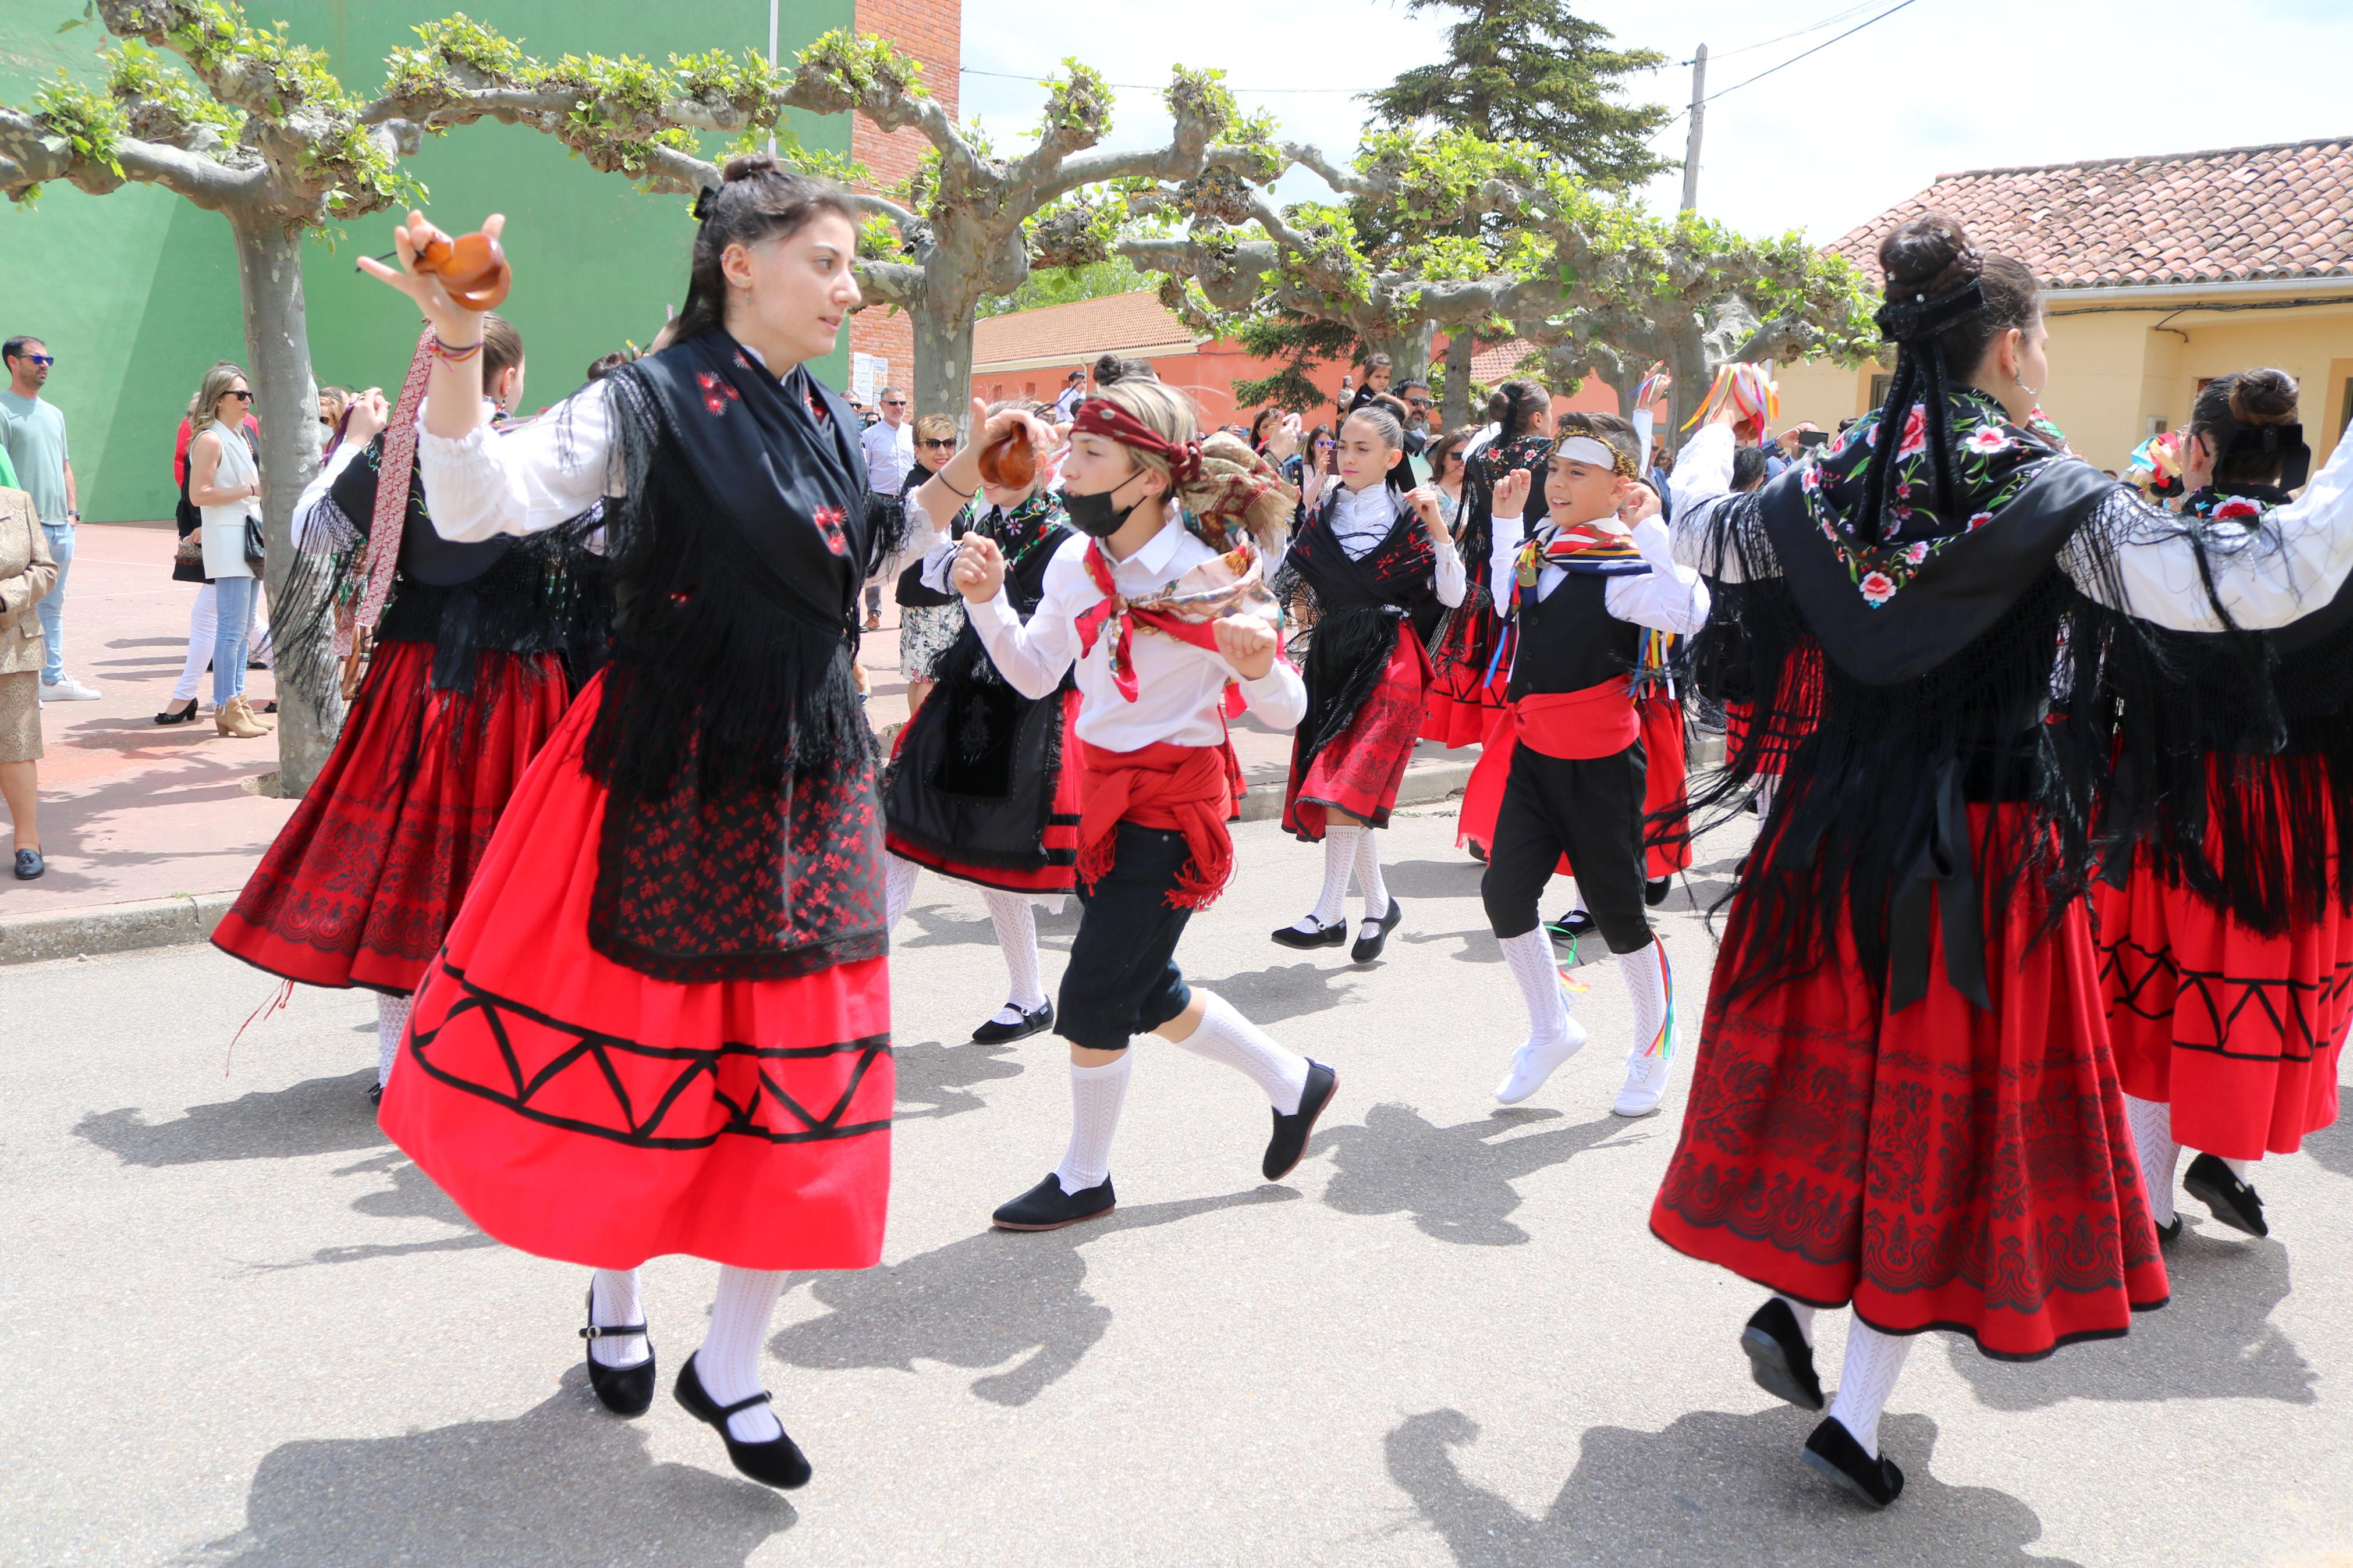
(2264, 397)
(1929, 255)
(747, 166)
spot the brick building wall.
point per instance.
(931, 31)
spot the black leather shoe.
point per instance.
(1833, 1451)
(1368, 948)
(778, 1462)
(1655, 892)
(995, 1034)
(622, 1390)
(1322, 936)
(1778, 1357)
(1047, 1206)
(1570, 926)
(2217, 1186)
(1289, 1144)
(29, 864)
(376, 1094)
(184, 716)
(2167, 1235)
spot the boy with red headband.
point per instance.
(1561, 775)
(1163, 608)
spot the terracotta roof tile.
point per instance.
(1134, 324)
(2238, 212)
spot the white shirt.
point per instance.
(1180, 687)
(521, 479)
(1066, 407)
(890, 454)
(1668, 598)
(2262, 586)
(1362, 519)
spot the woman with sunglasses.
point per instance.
(929, 617)
(1446, 476)
(224, 484)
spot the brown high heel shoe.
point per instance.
(235, 718)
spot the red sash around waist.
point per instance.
(1192, 790)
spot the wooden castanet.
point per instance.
(1010, 462)
(472, 267)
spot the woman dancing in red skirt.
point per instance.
(1904, 1099)
(477, 652)
(1373, 561)
(661, 1022)
(2227, 951)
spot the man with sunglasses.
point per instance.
(34, 432)
(890, 455)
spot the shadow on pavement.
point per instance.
(563, 1483)
(1455, 1180)
(935, 1079)
(1266, 996)
(1713, 1489)
(1432, 878)
(980, 1303)
(2333, 1146)
(2212, 1341)
(317, 1115)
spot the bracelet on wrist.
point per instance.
(455, 355)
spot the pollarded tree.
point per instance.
(966, 228)
(243, 122)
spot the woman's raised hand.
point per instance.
(369, 414)
(450, 321)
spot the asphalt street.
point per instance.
(253, 1334)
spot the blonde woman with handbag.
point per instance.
(26, 574)
(225, 483)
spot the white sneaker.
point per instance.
(66, 689)
(1535, 1061)
(1646, 1084)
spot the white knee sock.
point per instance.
(2152, 1128)
(1369, 873)
(1016, 919)
(612, 1302)
(729, 1361)
(1225, 1036)
(1530, 957)
(2239, 1168)
(1339, 859)
(1873, 1359)
(1095, 1096)
(391, 1023)
(1645, 973)
(898, 888)
(1803, 1313)
(1575, 898)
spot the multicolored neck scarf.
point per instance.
(1020, 529)
(1586, 548)
(1188, 615)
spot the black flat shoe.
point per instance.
(1047, 1206)
(1833, 1451)
(2217, 1186)
(183, 717)
(1654, 893)
(1778, 1357)
(376, 1094)
(2167, 1235)
(778, 1462)
(1322, 936)
(1368, 948)
(622, 1390)
(29, 864)
(1289, 1144)
(995, 1034)
(1572, 925)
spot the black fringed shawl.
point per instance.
(742, 838)
(1359, 608)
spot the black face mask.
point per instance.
(1095, 515)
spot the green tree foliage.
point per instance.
(1066, 285)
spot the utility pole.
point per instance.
(1698, 113)
(772, 66)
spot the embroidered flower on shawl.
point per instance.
(716, 394)
(1985, 440)
(2238, 509)
(1878, 587)
(829, 522)
(1916, 433)
(1916, 552)
(1979, 521)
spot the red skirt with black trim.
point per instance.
(1360, 770)
(581, 1111)
(2240, 1032)
(1060, 840)
(1666, 845)
(1943, 1167)
(1795, 708)
(1466, 687)
(362, 882)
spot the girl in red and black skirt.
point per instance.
(1904, 1099)
(477, 649)
(661, 1022)
(1163, 612)
(1469, 659)
(2226, 952)
(984, 786)
(1373, 569)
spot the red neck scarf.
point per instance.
(1122, 617)
(1192, 790)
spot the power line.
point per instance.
(1684, 113)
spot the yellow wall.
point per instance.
(2111, 372)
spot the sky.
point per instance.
(1822, 145)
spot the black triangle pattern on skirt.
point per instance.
(592, 1052)
(2296, 1009)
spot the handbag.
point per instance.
(191, 524)
(256, 551)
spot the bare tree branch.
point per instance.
(36, 155)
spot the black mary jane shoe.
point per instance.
(994, 1033)
(1655, 892)
(1368, 948)
(2218, 1186)
(1571, 926)
(376, 1094)
(1832, 1450)
(1047, 1206)
(622, 1390)
(1289, 1144)
(2167, 1235)
(1779, 1359)
(185, 716)
(1321, 936)
(778, 1462)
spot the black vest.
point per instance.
(1569, 640)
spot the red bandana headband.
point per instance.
(1101, 416)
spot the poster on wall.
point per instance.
(868, 374)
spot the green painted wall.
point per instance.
(136, 292)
